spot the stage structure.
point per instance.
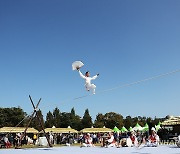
(35, 113)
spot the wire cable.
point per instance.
(18, 124)
(132, 83)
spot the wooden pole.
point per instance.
(39, 119)
(32, 115)
(34, 112)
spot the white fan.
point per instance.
(77, 64)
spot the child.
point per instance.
(88, 79)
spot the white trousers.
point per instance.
(149, 144)
(90, 87)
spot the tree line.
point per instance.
(11, 117)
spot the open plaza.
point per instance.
(162, 149)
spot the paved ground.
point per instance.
(173, 149)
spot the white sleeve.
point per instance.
(81, 75)
(90, 140)
(94, 77)
(157, 138)
(111, 139)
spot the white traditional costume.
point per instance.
(88, 141)
(111, 141)
(88, 84)
(153, 140)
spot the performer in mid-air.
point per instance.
(88, 79)
(76, 66)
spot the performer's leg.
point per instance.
(93, 87)
(88, 87)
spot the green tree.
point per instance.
(77, 123)
(10, 117)
(36, 122)
(113, 119)
(86, 120)
(73, 114)
(134, 121)
(156, 121)
(149, 120)
(65, 120)
(75, 120)
(49, 120)
(57, 117)
(128, 122)
(99, 121)
(141, 120)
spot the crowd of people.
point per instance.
(133, 138)
(16, 140)
(111, 139)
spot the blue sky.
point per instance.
(124, 41)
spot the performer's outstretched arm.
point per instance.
(94, 77)
(81, 75)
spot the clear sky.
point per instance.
(123, 40)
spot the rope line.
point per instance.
(18, 124)
(131, 84)
(143, 80)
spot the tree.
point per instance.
(73, 114)
(49, 120)
(156, 121)
(113, 119)
(86, 120)
(134, 121)
(141, 120)
(99, 121)
(10, 117)
(36, 121)
(75, 120)
(57, 117)
(149, 122)
(128, 122)
(65, 120)
(76, 124)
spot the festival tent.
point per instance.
(171, 121)
(145, 128)
(123, 129)
(115, 129)
(60, 130)
(158, 126)
(96, 130)
(137, 127)
(130, 129)
(17, 130)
